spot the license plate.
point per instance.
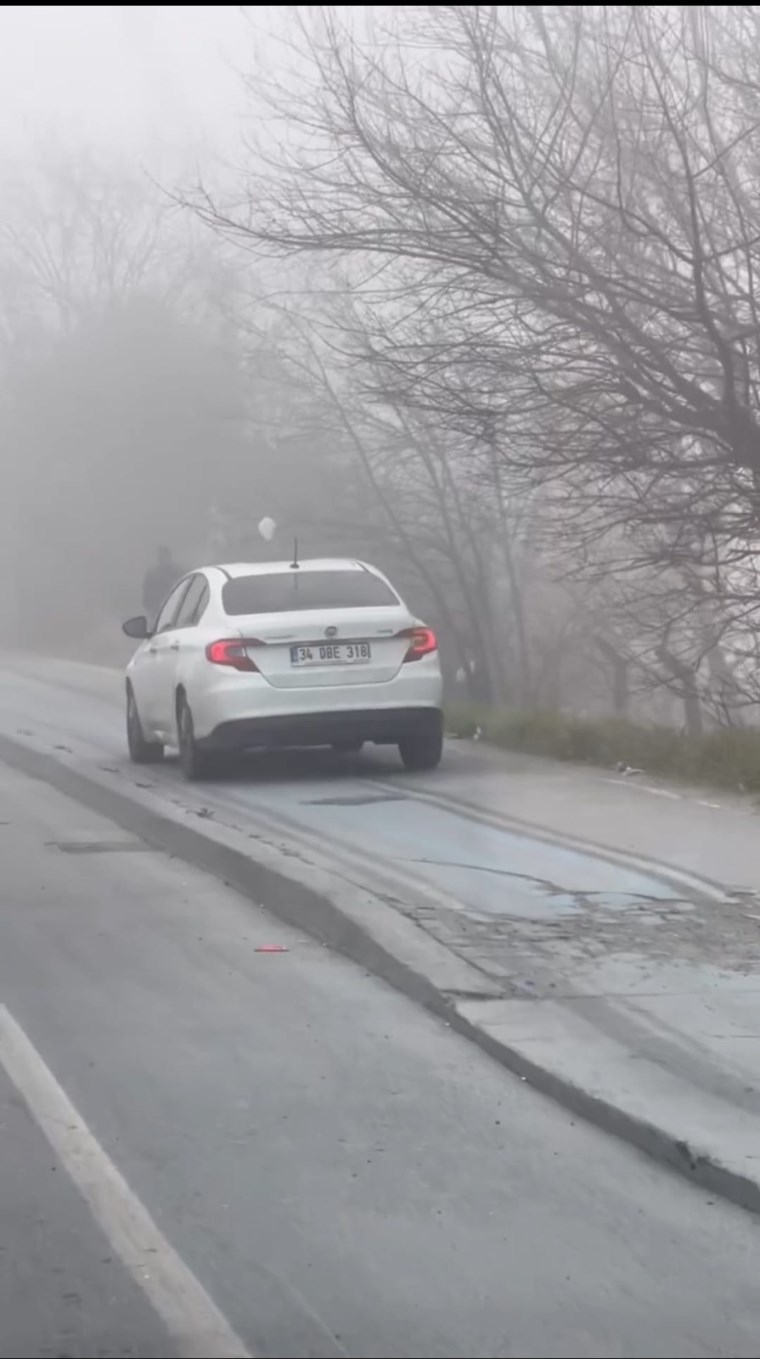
(331, 653)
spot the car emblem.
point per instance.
(331, 632)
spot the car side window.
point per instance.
(193, 603)
(200, 607)
(166, 618)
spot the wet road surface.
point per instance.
(338, 1172)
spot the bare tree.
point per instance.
(548, 220)
(120, 395)
(572, 186)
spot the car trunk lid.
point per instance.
(341, 647)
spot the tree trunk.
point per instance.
(619, 666)
(689, 693)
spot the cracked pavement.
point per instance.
(608, 965)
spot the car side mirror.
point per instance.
(137, 628)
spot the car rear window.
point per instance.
(291, 591)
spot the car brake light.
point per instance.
(422, 641)
(232, 652)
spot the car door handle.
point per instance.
(174, 646)
(152, 650)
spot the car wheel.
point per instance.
(347, 747)
(421, 749)
(194, 763)
(140, 750)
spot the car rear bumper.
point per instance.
(248, 702)
(381, 726)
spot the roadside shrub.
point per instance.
(726, 757)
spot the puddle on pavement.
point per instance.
(564, 902)
(482, 892)
(574, 902)
(489, 870)
(623, 901)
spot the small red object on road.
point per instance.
(270, 948)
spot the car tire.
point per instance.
(347, 747)
(194, 763)
(421, 750)
(140, 750)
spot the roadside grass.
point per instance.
(726, 758)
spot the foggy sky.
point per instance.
(146, 79)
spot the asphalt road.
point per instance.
(365, 803)
(277, 1146)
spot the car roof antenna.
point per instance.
(295, 564)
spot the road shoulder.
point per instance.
(648, 1031)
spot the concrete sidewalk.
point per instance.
(706, 831)
(649, 1008)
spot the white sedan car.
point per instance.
(276, 654)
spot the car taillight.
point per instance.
(232, 652)
(422, 641)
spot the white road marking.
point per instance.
(644, 788)
(663, 792)
(192, 1318)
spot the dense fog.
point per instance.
(468, 293)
